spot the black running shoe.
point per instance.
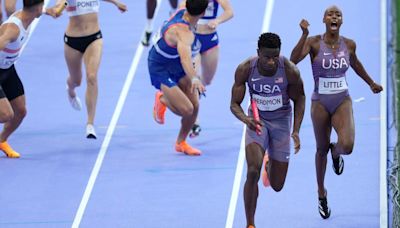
(146, 39)
(195, 131)
(337, 163)
(323, 208)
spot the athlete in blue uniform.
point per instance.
(206, 60)
(171, 71)
(331, 55)
(272, 81)
(14, 33)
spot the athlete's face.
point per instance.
(268, 58)
(333, 19)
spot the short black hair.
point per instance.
(196, 7)
(31, 3)
(269, 40)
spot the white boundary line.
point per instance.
(240, 163)
(383, 150)
(107, 138)
(110, 132)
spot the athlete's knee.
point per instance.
(74, 81)
(347, 146)
(206, 81)
(20, 112)
(195, 105)
(253, 173)
(322, 151)
(277, 187)
(91, 79)
(6, 115)
(186, 110)
(207, 78)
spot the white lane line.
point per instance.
(110, 132)
(383, 150)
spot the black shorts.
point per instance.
(81, 43)
(10, 84)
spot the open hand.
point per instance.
(197, 85)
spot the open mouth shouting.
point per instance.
(334, 25)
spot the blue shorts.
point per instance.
(167, 73)
(208, 41)
(274, 138)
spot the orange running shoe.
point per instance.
(264, 174)
(159, 109)
(6, 148)
(187, 149)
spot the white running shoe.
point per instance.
(74, 101)
(90, 132)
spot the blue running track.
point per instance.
(142, 181)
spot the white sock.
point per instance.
(149, 25)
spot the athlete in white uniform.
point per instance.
(83, 42)
(14, 33)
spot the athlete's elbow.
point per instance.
(233, 107)
(231, 14)
(293, 59)
(6, 115)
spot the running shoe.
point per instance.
(187, 149)
(337, 163)
(146, 38)
(323, 208)
(264, 173)
(74, 101)
(90, 132)
(159, 109)
(196, 129)
(6, 148)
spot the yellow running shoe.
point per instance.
(6, 148)
(187, 149)
(159, 109)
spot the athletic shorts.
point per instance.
(274, 138)
(81, 43)
(10, 84)
(168, 73)
(330, 101)
(207, 41)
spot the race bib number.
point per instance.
(332, 85)
(268, 103)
